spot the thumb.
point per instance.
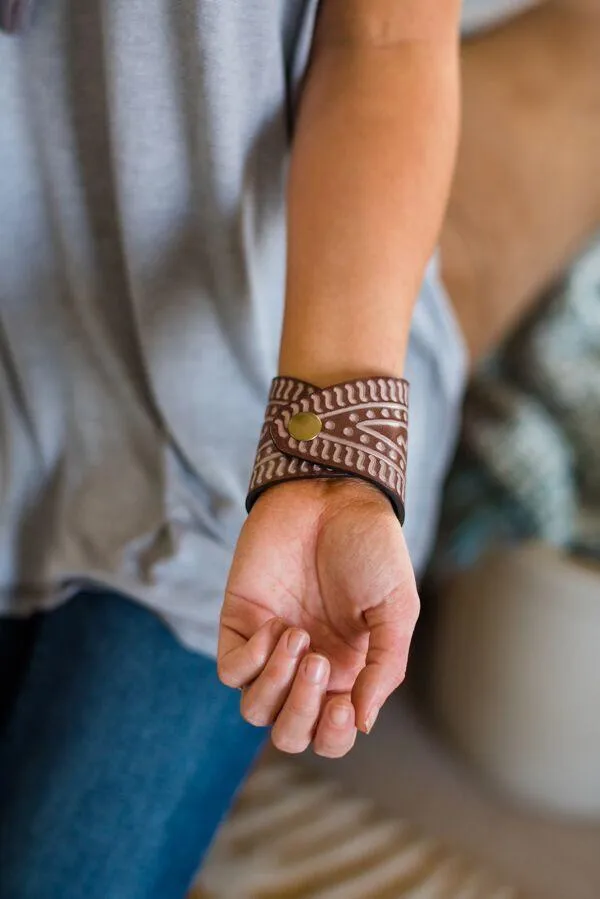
(391, 624)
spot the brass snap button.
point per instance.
(305, 426)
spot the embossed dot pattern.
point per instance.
(364, 434)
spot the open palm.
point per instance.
(319, 611)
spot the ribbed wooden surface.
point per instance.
(295, 836)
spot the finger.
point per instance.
(240, 661)
(263, 699)
(336, 731)
(391, 625)
(297, 720)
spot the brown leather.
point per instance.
(364, 435)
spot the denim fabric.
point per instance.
(120, 753)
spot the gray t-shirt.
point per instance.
(142, 158)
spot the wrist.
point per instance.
(325, 373)
(339, 359)
(326, 493)
(356, 429)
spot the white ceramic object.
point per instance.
(516, 676)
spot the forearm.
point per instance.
(371, 167)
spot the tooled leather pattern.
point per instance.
(365, 435)
(271, 465)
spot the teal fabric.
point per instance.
(528, 465)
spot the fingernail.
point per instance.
(371, 719)
(316, 669)
(340, 714)
(297, 641)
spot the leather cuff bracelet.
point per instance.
(356, 429)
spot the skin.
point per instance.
(368, 185)
(321, 572)
(327, 561)
(526, 194)
(371, 169)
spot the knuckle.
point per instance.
(255, 719)
(331, 751)
(254, 715)
(305, 710)
(256, 655)
(405, 604)
(226, 675)
(272, 677)
(290, 745)
(408, 602)
(395, 674)
(329, 746)
(398, 609)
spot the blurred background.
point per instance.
(482, 778)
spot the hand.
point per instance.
(319, 612)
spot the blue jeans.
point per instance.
(120, 753)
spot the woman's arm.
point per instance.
(371, 168)
(321, 600)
